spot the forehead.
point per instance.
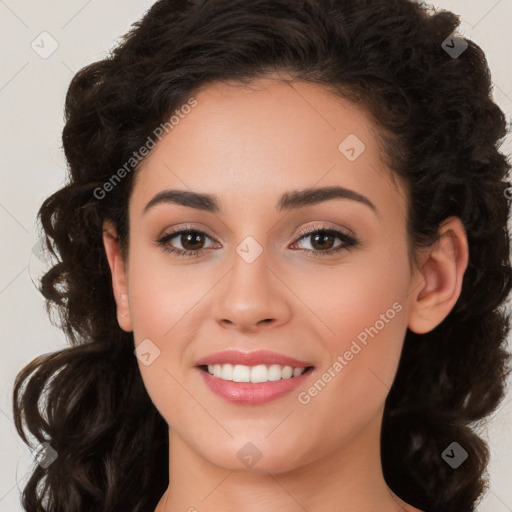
(252, 143)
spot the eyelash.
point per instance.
(349, 242)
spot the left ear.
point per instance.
(440, 277)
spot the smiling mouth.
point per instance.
(254, 374)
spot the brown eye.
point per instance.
(191, 240)
(322, 240)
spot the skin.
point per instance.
(249, 145)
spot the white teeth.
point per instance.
(259, 373)
(227, 372)
(298, 371)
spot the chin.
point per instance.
(253, 456)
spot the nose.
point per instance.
(252, 296)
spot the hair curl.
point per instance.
(440, 130)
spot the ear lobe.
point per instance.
(441, 277)
(118, 272)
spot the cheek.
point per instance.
(364, 357)
(368, 315)
(159, 304)
(162, 295)
(160, 298)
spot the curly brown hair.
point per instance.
(440, 134)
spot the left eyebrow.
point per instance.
(288, 201)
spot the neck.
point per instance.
(348, 479)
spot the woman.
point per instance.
(283, 265)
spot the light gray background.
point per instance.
(32, 91)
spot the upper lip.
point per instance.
(251, 359)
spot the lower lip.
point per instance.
(253, 394)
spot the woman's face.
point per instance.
(259, 282)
